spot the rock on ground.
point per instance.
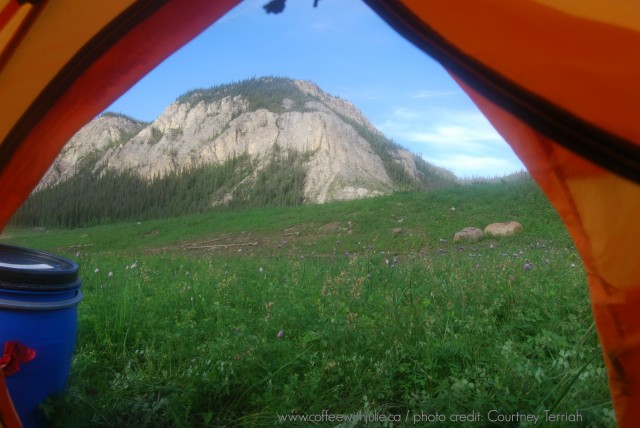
(468, 234)
(503, 229)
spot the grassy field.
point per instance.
(364, 308)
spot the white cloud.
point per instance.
(403, 113)
(460, 140)
(454, 136)
(320, 25)
(475, 166)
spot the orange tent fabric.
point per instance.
(62, 62)
(557, 78)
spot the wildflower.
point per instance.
(134, 265)
(453, 208)
(261, 270)
(97, 270)
(280, 334)
(573, 265)
(527, 265)
(110, 274)
(78, 254)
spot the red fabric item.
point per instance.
(15, 353)
(8, 416)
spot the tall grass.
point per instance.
(343, 319)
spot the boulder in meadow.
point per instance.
(503, 229)
(468, 234)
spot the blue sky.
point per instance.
(347, 50)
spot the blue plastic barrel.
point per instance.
(39, 294)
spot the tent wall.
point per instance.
(599, 210)
(75, 60)
(557, 78)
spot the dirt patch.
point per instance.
(151, 234)
(307, 239)
(228, 243)
(336, 227)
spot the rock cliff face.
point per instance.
(252, 117)
(93, 138)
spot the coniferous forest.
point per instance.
(92, 198)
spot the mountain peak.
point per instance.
(265, 119)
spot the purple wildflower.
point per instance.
(528, 265)
(280, 334)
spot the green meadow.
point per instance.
(359, 313)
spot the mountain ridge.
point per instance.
(261, 126)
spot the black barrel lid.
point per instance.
(32, 270)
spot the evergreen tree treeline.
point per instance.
(90, 198)
(259, 93)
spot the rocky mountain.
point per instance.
(342, 154)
